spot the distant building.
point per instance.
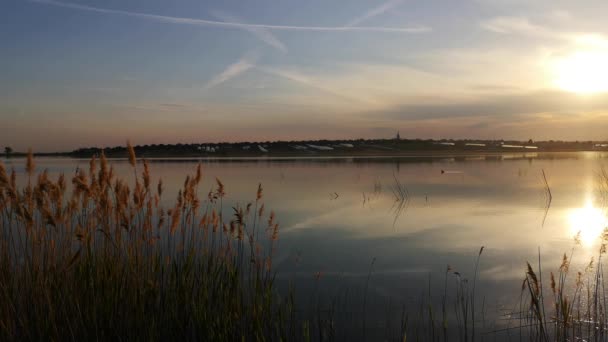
(398, 137)
(320, 148)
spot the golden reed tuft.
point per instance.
(30, 166)
(131, 151)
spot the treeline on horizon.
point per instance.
(291, 147)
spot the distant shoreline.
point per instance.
(317, 155)
(335, 148)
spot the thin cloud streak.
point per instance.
(520, 25)
(242, 65)
(213, 23)
(260, 32)
(390, 4)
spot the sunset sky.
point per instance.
(94, 73)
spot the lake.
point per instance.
(392, 225)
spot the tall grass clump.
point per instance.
(573, 307)
(576, 306)
(95, 257)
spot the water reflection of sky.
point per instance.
(336, 216)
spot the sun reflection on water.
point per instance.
(589, 221)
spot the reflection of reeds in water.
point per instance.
(602, 189)
(548, 197)
(402, 199)
(377, 187)
(367, 198)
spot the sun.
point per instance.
(589, 222)
(583, 72)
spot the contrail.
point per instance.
(261, 33)
(374, 12)
(203, 22)
(245, 63)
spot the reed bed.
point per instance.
(568, 304)
(101, 259)
(573, 305)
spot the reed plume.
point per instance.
(131, 152)
(29, 165)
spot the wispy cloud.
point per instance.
(524, 27)
(213, 23)
(390, 4)
(261, 33)
(519, 25)
(243, 64)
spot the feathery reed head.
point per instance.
(199, 173)
(532, 276)
(577, 238)
(565, 264)
(220, 187)
(131, 151)
(92, 166)
(4, 181)
(259, 194)
(146, 175)
(275, 232)
(30, 166)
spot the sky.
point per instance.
(95, 73)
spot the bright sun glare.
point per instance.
(589, 221)
(584, 72)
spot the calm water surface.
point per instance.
(339, 215)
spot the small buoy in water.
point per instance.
(451, 172)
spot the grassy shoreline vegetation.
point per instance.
(91, 256)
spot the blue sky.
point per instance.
(83, 72)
